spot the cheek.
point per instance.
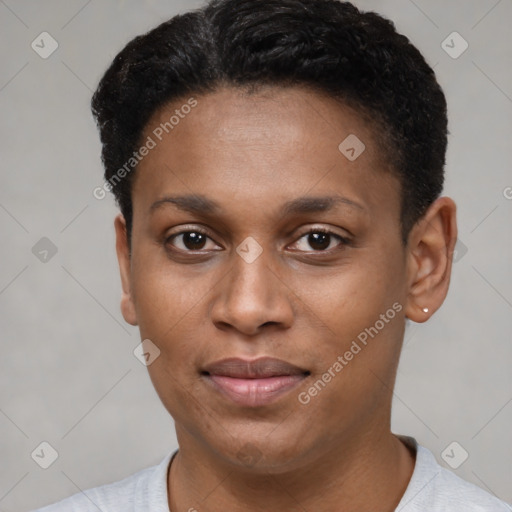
(351, 297)
(178, 393)
(167, 298)
(355, 378)
(358, 313)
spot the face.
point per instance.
(294, 253)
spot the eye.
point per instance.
(191, 240)
(320, 240)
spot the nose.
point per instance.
(251, 297)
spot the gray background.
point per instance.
(69, 376)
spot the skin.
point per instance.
(297, 301)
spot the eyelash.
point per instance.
(343, 240)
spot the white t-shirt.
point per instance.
(432, 488)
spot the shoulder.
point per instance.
(452, 491)
(110, 497)
(435, 488)
(144, 490)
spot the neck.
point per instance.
(370, 473)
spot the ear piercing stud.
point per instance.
(425, 310)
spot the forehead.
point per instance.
(278, 142)
(241, 117)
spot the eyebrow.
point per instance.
(201, 205)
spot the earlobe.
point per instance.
(430, 250)
(124, 260)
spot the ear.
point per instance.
(430, 248)
(123, 257)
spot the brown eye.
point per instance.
(193, 241)
(190, 241)
(319, 240)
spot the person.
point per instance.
(279, 167)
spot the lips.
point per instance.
(260, 368)
(253, 383)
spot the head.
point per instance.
(309, 139)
